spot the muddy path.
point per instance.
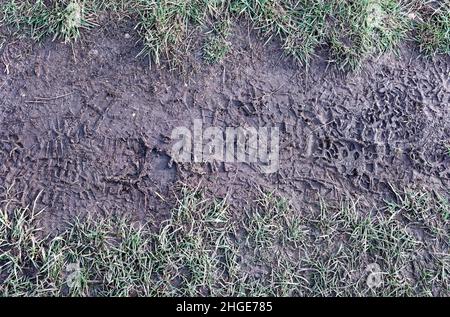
(86, 128)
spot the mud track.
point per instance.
(87, 127)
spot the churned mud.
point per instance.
(86, 128)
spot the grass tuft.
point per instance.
(366, 28)
(217, 46)
(62, 19)
(433, 30)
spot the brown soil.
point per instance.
(89, 125)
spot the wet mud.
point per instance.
(86, 128)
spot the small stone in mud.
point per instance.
(93, 52)
(229, 167)
(37, 70)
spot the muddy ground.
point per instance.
(86, 128)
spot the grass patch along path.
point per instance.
(351, 30)
(200, 250)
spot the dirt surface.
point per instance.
(86, 128)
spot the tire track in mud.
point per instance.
(79, 170)
(104, 146)
(357, 135)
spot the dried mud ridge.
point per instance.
(89, 127)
